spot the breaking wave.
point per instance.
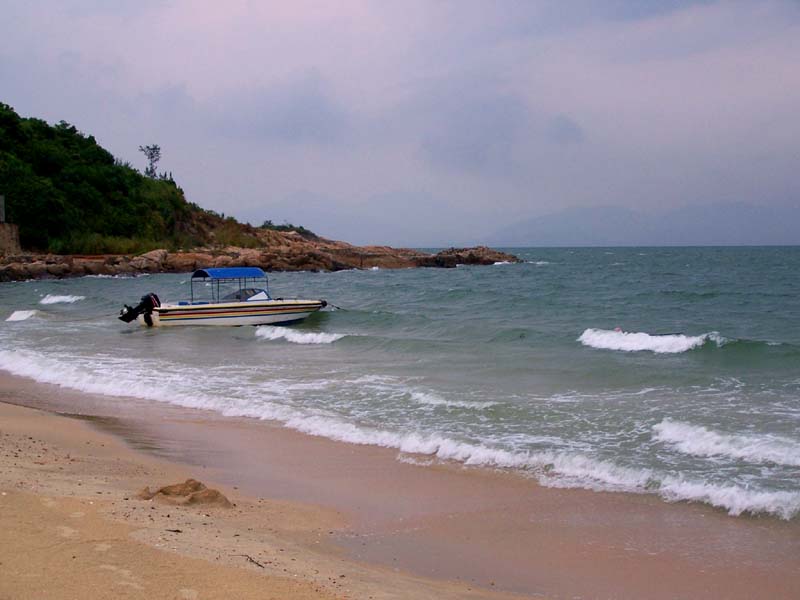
(626, 341)
(434, 400)
(700, 441)
(736, 500)
(578, 471)
(21, 315)
(54, 299)
(268, 332)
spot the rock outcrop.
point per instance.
(279, 251)
(480, 255)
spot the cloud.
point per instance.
(470, 113)
(564, 130)
(302, 110)
(474, 133)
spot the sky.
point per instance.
(426, 123)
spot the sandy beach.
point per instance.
(316, 518)
(71, 525)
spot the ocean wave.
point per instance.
(123, 381)
(21, 315)
(690, 294)
(736, 500)
(626, 341)
(434, 445)
(573, 470)
(434, 400)
(577, 471)
(538, 263)
(502, 262)
(268, 332)
(566, 469)
(55, 299)
(700, 441)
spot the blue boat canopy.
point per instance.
(229, 273)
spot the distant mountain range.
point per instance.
(719, 224)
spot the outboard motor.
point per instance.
(145, 307)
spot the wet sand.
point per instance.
(405, 529)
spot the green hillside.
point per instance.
(69, 195)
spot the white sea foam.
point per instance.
(636, 341)
(269, 332)
(539, 263)
(413, 460)
(700, 441)
(577, 471)
(54, 299)
(733, 498)
(434, 445)
(429, 399)
(574, 470)
(21, 315)
(120, 382)
(502, 262)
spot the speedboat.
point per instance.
(247, 302)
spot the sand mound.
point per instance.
(190, 492)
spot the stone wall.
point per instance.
(9, 239)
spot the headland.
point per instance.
(280, 251)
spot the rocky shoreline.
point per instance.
(286, 252)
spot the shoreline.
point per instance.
(71, 524)
(480, 527)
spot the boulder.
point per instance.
(223, 261)
(152, 261)
(36, 270)
(91, 266)
(185, 262)
(13, 272)
(59, 269)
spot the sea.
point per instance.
(665, 371)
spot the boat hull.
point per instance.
(232, 314)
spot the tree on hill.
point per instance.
(153, 155)
(306, 233)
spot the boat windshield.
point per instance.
(246, 294)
